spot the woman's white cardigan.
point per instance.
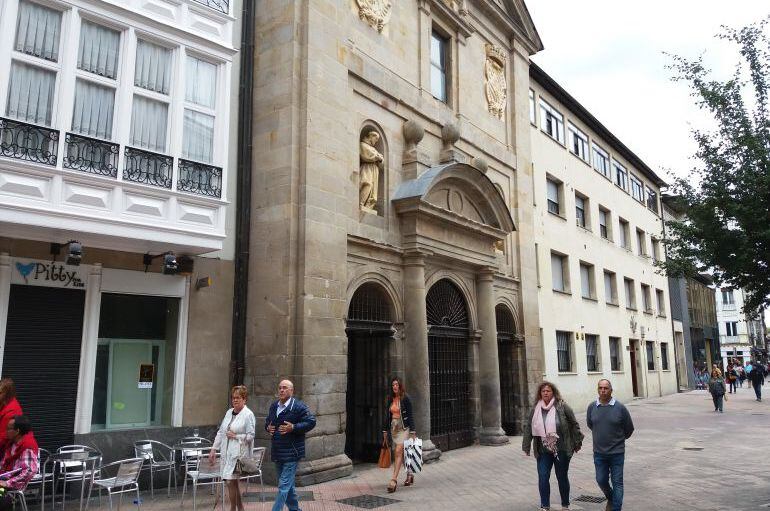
(244, 426)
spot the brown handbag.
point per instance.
(384, 461)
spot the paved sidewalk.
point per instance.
(682, 456)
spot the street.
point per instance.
(681, 456)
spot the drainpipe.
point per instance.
(243, 200)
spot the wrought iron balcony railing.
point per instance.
(91, 155)
(29, 142)
(147, 167)
(199, 178)
(217, 5)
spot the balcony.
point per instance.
(108, 195)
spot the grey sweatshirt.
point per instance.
(610, 425)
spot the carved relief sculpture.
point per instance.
(496, 86)
(375, 12)
(369, 174)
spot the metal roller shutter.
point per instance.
(42, 355)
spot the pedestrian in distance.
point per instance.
(757, 377)
(741, 375)
(610, 425)
(288, 421)
(234, 439)
(554, 435)
(21, 459)
(9, 408)
(717, 389)
(399, 425)
(732, 378)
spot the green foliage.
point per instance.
(726, 197)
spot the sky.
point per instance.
(609, 55)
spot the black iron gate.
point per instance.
(506, 355)
(370, 331)
(448, 365)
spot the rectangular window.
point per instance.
(200, 98)
(564, 343)
(731, 328)
(655, 250)
(99, 50)
(610, 288)
(624, 232)
(650, 346)
(439, 47)
(621, 175)
(38, 31)
(641, 242)
(532, 108)
(728, 297)
(136, 334)
(153, 67)
(149, 113)
(664, 356)
(580, 211)
(592, 353)
(94, 106)
(646, 298)
(559, 276)
(578, 142)
(553, 196)
(587, 287)
(637, 189)
(148, 124)
(652, 200)
(615, 354)
(660, 298)
(604, 223)
(601, 161)
(30, 93)
(628, 287)
(551, 121)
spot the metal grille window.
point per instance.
(650, 347)
(664, 356)
(610, 288)
(551, 121)
(578, 142)
(615, 354)
(564, 351)
(553, 196)
(370, 305)
(601, 161)
(621, 175)
(580, 211)
(439, 49)
(592, 353)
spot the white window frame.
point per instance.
(210, 111)
(563, 266)
(578, 142)
(607, 234)
(629, 290)
(620, 175)
(587, 281)
(647, 298)
(612, 299)
(581, 211)
(551, 121)
(636, 188)
(550, 185)
(601, 161)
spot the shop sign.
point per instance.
(33, 272)
(146, 376)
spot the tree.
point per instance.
(726, 196)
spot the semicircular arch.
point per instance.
(387, 287)
(462, 286)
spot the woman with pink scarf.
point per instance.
(555, 434)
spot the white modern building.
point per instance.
(740, 334)
(116, 122)
(603, 307)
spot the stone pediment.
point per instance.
(515, 14)
(451, 198)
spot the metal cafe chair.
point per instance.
(258, 453)
(74, 463)
(192, 448)
(126, 480)
(204, 474)
(16, 495)
(43, 477)
(158, 457)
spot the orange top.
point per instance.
(395, 408)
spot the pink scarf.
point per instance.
(545, 430)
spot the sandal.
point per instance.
(409, 481)
(392, 486)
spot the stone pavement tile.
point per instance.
(663, 470)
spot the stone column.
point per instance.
(489, 368)
(417, 378)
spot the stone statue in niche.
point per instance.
(369, 173)
(375, 12)
(496, 86)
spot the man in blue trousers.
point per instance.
(288, 420)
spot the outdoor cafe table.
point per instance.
(83, 461)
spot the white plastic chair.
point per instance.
(204, 474)
(126, 480)
(158, 457)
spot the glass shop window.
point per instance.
(134, 381)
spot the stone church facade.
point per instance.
(392, 228)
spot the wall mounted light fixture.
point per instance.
(74, 255)
(170, 265)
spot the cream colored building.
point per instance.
(603, 307)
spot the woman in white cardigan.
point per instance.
(234, 439)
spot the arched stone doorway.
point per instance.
(450, 382)
(370, 331)
(508, 358)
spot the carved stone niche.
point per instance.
(372, 168)
(495, 84)
(375, 12)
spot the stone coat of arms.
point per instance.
(375, 12)
(496, 87)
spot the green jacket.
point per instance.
(568, 429)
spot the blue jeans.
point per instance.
(610, 467)
(544, 464)
(286, 494)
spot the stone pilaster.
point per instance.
(417, 377)
(489, 368)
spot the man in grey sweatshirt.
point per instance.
(610, 424)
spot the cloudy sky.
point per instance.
(609, 55)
